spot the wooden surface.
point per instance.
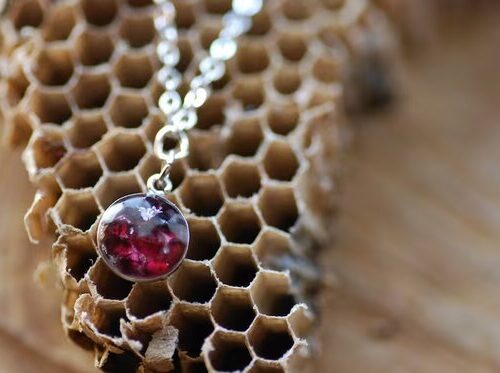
(417, 256)
(418, 251)
(31, 337)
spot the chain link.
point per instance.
(181, 112)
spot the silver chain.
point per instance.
(180, 112)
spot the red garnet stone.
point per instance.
(143, 237)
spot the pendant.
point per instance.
(143, 237)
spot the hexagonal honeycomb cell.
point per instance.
(270, 338)
(232, 309)
(230, 352)
(81, 93)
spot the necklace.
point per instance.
(145, 237)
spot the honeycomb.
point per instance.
(258, 187)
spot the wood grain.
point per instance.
(31, 336)
(417, 254)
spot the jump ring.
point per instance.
(180, 151)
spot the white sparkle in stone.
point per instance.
(147, 213)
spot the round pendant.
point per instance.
(143, 237)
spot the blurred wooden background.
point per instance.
(418, 251)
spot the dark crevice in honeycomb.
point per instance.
(60, 24)
(252, 57)
(230, 353)
(149, 298)
(292, 46)
(278, 207)
(239, 223)
(241, 179)
(204, 239)
(202, 194)
(81, 170)
(77, 209)
(80, 256)
(94, 47)
(235, 266)
(53, 67)
(138, 31)
(284, 118)
(212, 113)
(272, 294)
(51, 108)
(233, 309)
(86, 130)
(99, 12)
(287, 80)
(245, 138)
(100, 87)
(280, 161)
(250, 92)
(134, 71)
(27, 14)
(115, 187)
(122, 152)
(48, 149)
(128, 110)
(17, 85)
(109, 285)
(22, 130)
(121, 363)
(270, 339)
(194, 327)
(194, 283)
(108, 321)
